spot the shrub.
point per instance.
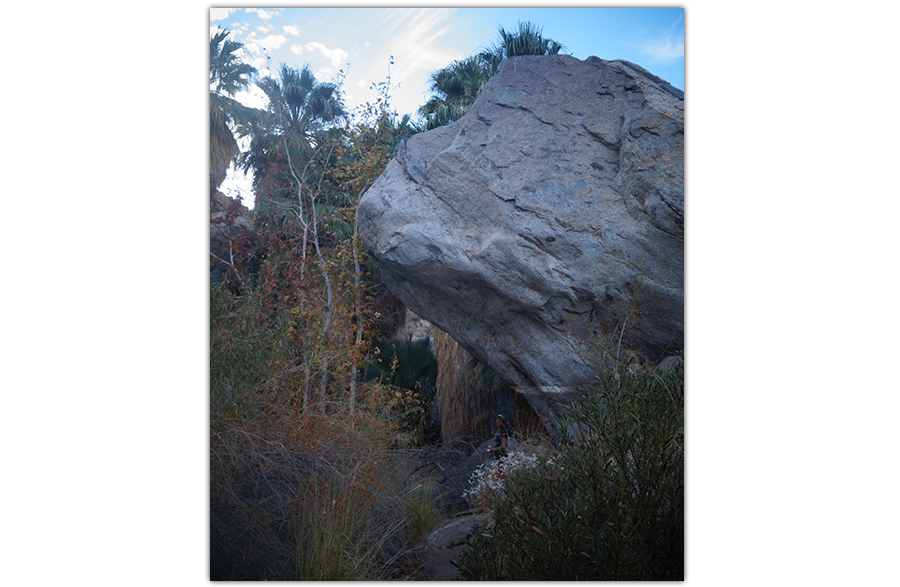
(411, 368)
(487, 480)
(248, 358)
(305, 497)
(609, 506)
(405, 363)
(295, 494)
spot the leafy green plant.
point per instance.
(411, 368)
(414, 408)
(404, 362)
(609, 506)
(228, 75)
(249, 359)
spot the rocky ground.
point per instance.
(436, 565)
(448, 468)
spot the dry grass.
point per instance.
(309, 495)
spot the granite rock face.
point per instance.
(537, 225)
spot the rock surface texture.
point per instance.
(537, 225)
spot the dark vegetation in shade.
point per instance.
(610, 506)
(410, 365)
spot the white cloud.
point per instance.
(220, 13)
(252, 97)
(668, 47)
(265, 28)
(297, 49)
(263, 14)
(272, 42)
(337, 57)
(262, 66)
(325, 74)
(261, 48)
(292, 30)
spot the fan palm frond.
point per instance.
(228, 75)
(457, 86)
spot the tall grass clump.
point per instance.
(608, 506)
(318, 502)
(423, 510)
(297, 494)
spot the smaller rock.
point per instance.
(456, 531)
(669, 364)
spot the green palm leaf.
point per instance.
(228, 75)
(457, 86)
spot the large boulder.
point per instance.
(544, 230)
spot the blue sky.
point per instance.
(359, 41)
(354, 45)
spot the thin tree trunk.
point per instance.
(313, 224)
(306, 376)
(357, 305)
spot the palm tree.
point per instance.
(291, 156)
(227, 76)
(300, 102)
(527, 40)
(457, 86)
(300, 109)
